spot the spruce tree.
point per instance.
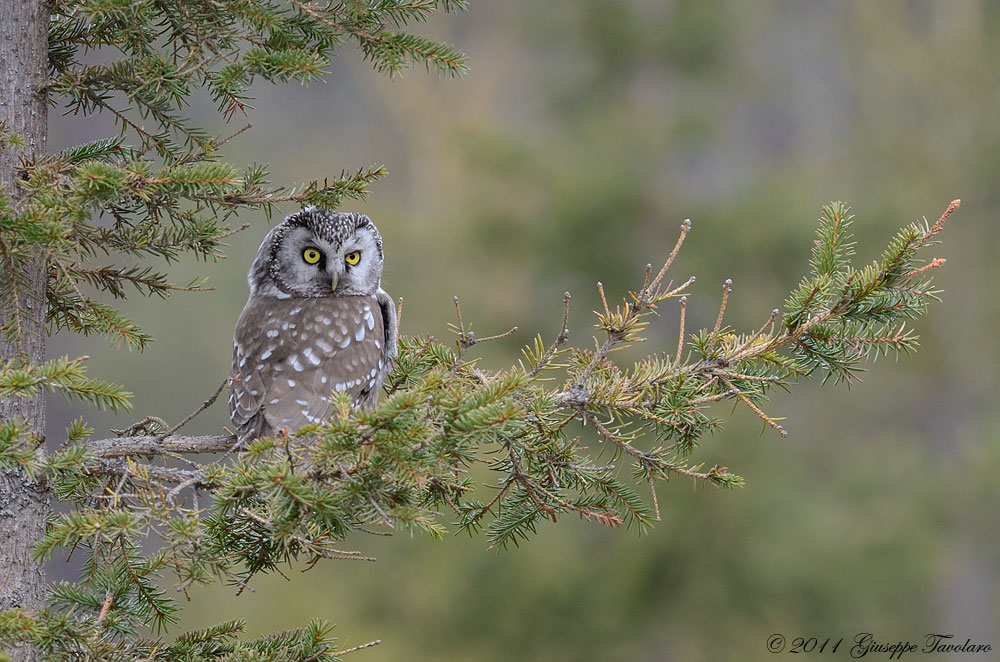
(566, 430)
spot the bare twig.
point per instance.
(604, 301)
(461, 322)
(685, 228)
(205, 405)
(680, 334)
(715, 398)
(108, 599)
(652, 491)
(498, 336)
(467, 339)
(937, 227)
(727, 287)
(558, 342)
(162, 474)
(190, 482)
(755, 409)
(933, 264)
(229, 233)
(348, 651)
(737, 353)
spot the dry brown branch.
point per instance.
(159, 445)
(185, 477)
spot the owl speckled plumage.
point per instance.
(317, 322)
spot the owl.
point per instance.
(317, 322)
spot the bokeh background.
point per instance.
(583, 135)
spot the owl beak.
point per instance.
(333, 281)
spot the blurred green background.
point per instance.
(583, 135)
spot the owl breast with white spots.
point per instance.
(316, 323)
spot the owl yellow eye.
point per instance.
(310, 255)
(352, 258)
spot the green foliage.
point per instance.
(450, 447)
(9, 139)
(65, 376)
(167, 195)
(840, 315)
(100, 213)
(69, 637)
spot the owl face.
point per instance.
(318, 253)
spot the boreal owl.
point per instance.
(317, 322)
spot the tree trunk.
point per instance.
(24, 505)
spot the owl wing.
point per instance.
(258, 345)
(389, 322)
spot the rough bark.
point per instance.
(152, 445)
(23, 504)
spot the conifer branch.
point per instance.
(158, 445)
(99, 212)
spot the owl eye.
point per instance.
(353, 258)
(310, 255)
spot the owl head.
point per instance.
(318, 253)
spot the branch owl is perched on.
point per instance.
(317, 322)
